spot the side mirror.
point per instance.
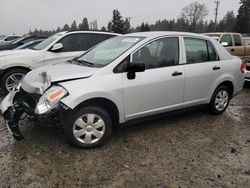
(225, 44)
(57, 47)
(135, 67)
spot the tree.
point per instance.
(103, 29)
(243, 18)
(109, 27)
(84, 26)
(227, 24)
(66, 27)
(117, 24)
(194, 14)
(73, 26)
(144, 27)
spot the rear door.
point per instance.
(161, 86)
(201, 71)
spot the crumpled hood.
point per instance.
(38, 80)
(16, 52)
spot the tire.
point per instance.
(220, 100)
(12, 76)
(83, 130)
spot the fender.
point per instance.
(72, 101)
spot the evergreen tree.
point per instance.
(243, 18)
(103, 29)
(66, 27)
(73, 26)
(84, 26)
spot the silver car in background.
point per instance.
(125, 78)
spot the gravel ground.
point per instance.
(192, 149)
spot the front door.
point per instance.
(161, 86)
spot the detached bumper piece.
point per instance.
(12, 117)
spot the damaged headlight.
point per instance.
(50, 99)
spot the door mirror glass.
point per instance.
(225, 44)
(57, 47)
(135, 67)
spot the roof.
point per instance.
(154, 34)
(93, 32)
(221, 33)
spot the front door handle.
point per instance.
(232, 50)
(216, 68)
(176, 73)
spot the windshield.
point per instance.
(215, 36)
(47, 42)
(109, 50)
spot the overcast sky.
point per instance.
(18, 16)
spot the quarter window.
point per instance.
(199, 51)
(159, 53)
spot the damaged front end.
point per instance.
(40, 106)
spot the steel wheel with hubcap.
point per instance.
(88, 127)
(220, 100)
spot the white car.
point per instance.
(124, 78)
(14, 64)
(9, 38)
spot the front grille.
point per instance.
(29, 98)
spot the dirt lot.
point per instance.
(193, 149)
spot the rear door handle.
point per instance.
(216, 68)
(176, 73)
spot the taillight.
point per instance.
(243, 67)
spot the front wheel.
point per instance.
(220, 100)
(88, 127)
(12, 78)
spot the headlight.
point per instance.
(50, 99)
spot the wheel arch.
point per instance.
(104, 103)
(229, 85)
(14, 67)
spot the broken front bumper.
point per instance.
(12, 114)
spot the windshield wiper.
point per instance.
(84, 62)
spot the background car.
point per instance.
(30, 44)
(62, 46)
(19, 42)
(9, 38)
(246, 40)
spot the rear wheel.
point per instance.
(12, 78)
(220, 100)
(88, 127)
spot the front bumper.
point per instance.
(18, 102)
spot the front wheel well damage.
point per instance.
(104, 103)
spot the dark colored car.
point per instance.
(19, 42)
(29, 45)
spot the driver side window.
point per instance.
(160, 53)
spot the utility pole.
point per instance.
(217, 2)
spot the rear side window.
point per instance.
(199, 51)
(237, 40)
(228, 39)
